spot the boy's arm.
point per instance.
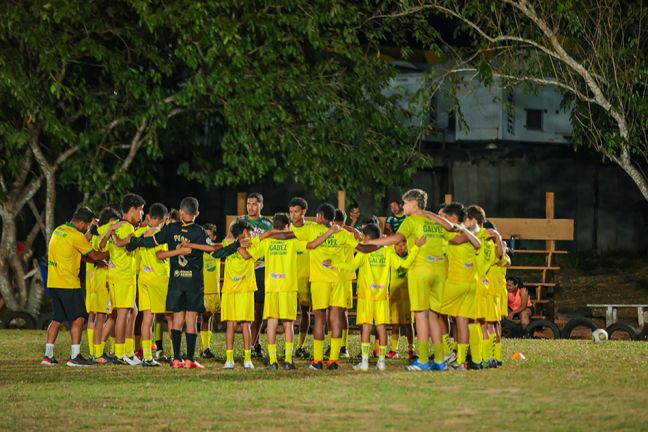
(161, 255)
(321, 239)
(406, 263)
(279, 235)
(355, 231)
(466, 236)
(224, 252)
(95, 256)
(445, 223)
(499, 244)
(384, 241)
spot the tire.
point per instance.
(643, 336)
(575, 323)
(554, 331)
(621, 328)
(20, 320)
(511, 330)
(44, 321)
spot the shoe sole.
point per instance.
(77, 365)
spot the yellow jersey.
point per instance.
(434, 249)
(280, 264)
(375, 268)
(239, 272)
(212, 273)
(303, 256)
(123, 261)
(151, 270)
(462, 266)
(66, 247)
(332, 249)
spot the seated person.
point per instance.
(519, 302)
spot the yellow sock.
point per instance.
(336, 344)
(99, 350)
(345, 338)
(302, 339)
(272, 353)
(248, 355)
(492, 339)
(112, 345)
(130, 347)
(447, 345)
(486, 349)
(318, 350)
(365, 347)
(158, 331)
(455, 345)
(330, 336)
(383, 352)
(289, 351)
(475, 342)
(394, 342)
(423, 350)
(410, 347)
(91, 341)
(120, 349)
(437, 349)
(146, 348)
(205, 339)
(462, 351)
(138, 343)
(498, 351)
(230, 355)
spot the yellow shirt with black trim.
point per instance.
(66, 247)
(239, 272)
(436, 238)
(375, 268)
(123, 268)
(151, 270)
(281, 264)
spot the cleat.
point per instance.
(381, 365)
(416, 365)
(499, 363)
(79, 361)
(459, 366)
(139, 354)
(412, 356)
(132, 361)
(102, 360)
(273, 366)
(344, 353)
(248, 365)
(392, 355)
(475, 366)
(207, 354)
(159, 356)
(150, 363)
(192, 364)
(316, 365)
(376, 352)
(289, 366)
(228, 365)
(327, 353)
(450, 357)
(443, 366)
(333, 365)
(301, 353)
(118, 361)
(49, 361)
(176, 364)
(362, 366)
(257, 351)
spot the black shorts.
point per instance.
(259, 294)
(68, 304)
(180, 299)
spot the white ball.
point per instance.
(599, 336)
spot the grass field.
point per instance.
(562, 385)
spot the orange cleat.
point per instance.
(192, 364)
(176, 364)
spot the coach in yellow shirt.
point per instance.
(67, 247)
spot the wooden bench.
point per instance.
(611, 312)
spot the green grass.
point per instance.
(563, 385)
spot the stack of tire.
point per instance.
(543, 329)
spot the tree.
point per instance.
(594, 51)
(95, 92)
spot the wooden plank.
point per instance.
(617, 305)
(535, 229)
(540, 268)
(447, 199)
(539, 284)
(342, 200)
(241, 200)
(537, 251)
(549, 214)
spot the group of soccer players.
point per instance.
(439, 274)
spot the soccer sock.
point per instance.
(423, 350)
(318, 350)
(112, 345)
(205, 339)
(447, 345)
(272, 353)
(158, 335)
(345, 338)
(365, 347)
(475, 341)
(99, 349)
(130, 347)
(247, 355)
(75, 350)
(498, 351)
(394, 342)
(230, 355)
(330, 337)
(410, 347)
(454, 345)
(383, 352)
(289, 352)
(486, 349)
(437, 349)
(146, 348)
(176, 340)
(49, 350)
(336, 344)
(120, 349)
(462, 352)
(191, 344)
(492, 339)
(302, 340)
(91, 341)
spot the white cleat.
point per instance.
(362, 366)
(228, 365)
(133, 361)
(248, 365)
(381, 365)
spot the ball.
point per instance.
(599, 336)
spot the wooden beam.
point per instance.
(342, 200)
(535, 229)
(241, 200)
(549, 211)
(447, 199)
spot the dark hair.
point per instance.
(477, 213)
(327, 211)
(239, 227)
(340, 216)
(371, 220)
(131, 200)
(397, 201)
(516, 281)
(256, 195)
(489, 225)
(353, 206)
(280, 220)
(158, 211)
(107, 214)
(372, 231)
(174, 215)
(83, 214)
(298, 202)
(209, 227)
(457, 209)
(189, 205)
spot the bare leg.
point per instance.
(289, 331)
(76, 330)
(229, 336)
(147, 323)
(53, 331)
(382, 334)
(271, 330)
(247, 335)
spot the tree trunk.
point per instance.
(50, 201)
(624, 160)
(7, 249)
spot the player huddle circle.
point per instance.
(434, 274)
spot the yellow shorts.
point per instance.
(90, 293)
(460, 299)
(373, 312)
(425, 286)
(212, 302)
(349, 289)
(304, 291)
(399, 306)
(124, 293)
(327, 294)
(103, 296)
(504, 303)
(237, 306)
(493, 309)
(280, 305)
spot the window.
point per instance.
(534, 119)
